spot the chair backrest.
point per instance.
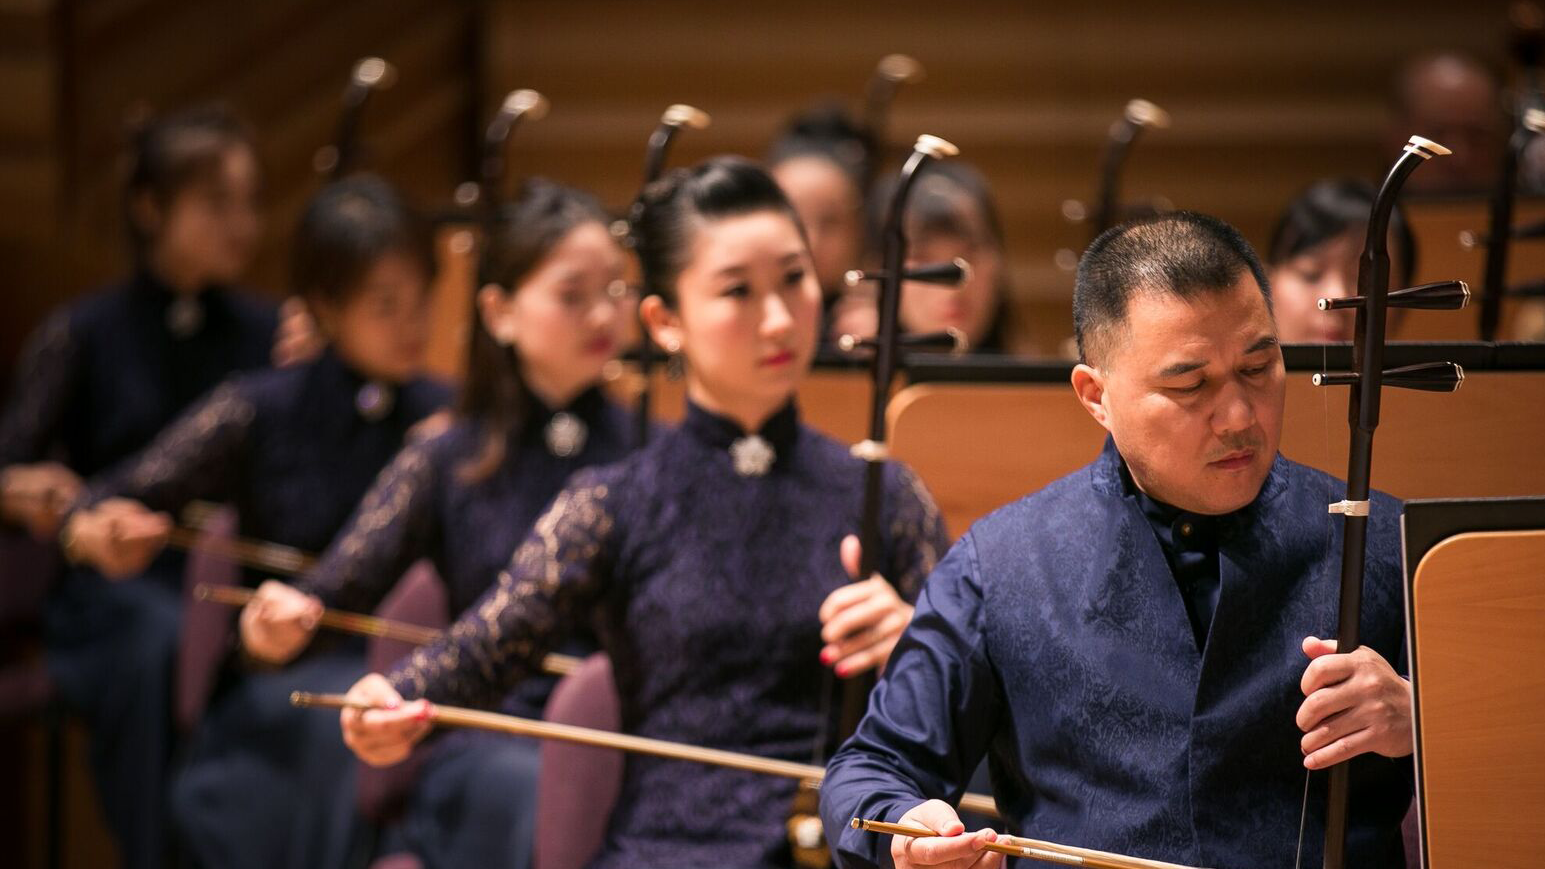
(207, 628)
(418, 598)
(578, 785)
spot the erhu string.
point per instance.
(1330, 541)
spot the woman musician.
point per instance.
(293, 449)
(531, 413)
(713, 559)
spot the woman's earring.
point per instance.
(675, 363)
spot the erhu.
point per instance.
(886, 345)
(893, 71)
(468, 226)
(517, 105)
(1372, 304)
(369, 75)
(1528, 118)
(1501, 233)
(1138, 115)
(805, 834)
(672, 121)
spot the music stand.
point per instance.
(1475, 623)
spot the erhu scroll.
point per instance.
(672, 121)
(893, 71)
(369, 75)
(492, 168)
(1373, 302)
(1138, 115)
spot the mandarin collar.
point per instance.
(565, 430)
(780, 431)
(373, 400)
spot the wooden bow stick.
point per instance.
(369, 626)
(453, 716)
(1034, 849)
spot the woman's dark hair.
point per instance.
(1330, 208)
(347, 227)
(826, 131)
(168, 154)
(495, 393)
(951, 198)
(713, 189)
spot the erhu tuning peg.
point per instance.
(1438, 296)
(1425, 376)
(951, 339)
(953, 273)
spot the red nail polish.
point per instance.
(842, 669)
(826, 656)
(423, 714)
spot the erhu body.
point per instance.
(1372, 304)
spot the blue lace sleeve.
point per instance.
(553, 580)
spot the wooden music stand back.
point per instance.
(1476, 618)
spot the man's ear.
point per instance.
(664, 324)
(1089, 386)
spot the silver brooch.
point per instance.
(753, 456)
(374, 400)
(185, 316)
(565, 434)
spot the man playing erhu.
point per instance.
(1135, 648)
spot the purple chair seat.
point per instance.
(577, 786)
(208, 629)
(418, 598)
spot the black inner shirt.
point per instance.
(1190, 544)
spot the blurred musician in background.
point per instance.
(97, 380)
(950, 214)
(1313, 255)
(294, 450)
(1451, 98)
(531, 413)
(823, 161)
